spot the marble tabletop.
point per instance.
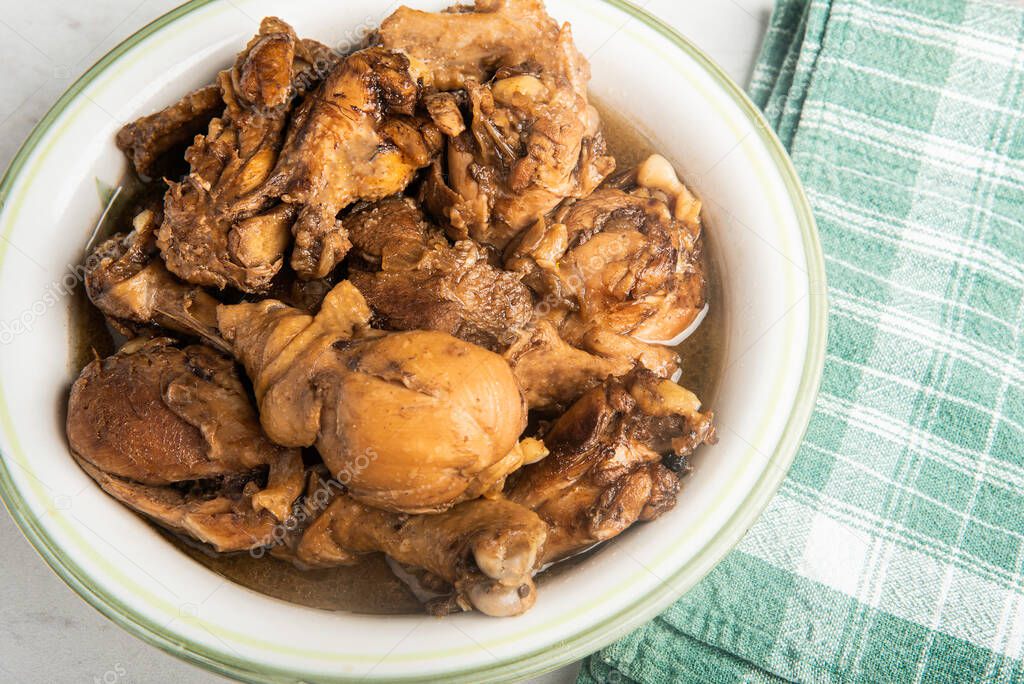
(48, 634)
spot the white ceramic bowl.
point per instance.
(774, 302)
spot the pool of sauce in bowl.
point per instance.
(370, 587)
(703, 352)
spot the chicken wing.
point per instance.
(485, 550)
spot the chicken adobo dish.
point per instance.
(403, 307)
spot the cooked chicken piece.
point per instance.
(472, 42)
(531, 143)
(621, 258)
(171, 433)
(423, 283)
(355, 138)
(411, 421)
(623, 271)
(485, 550)
(394, 228)
(147, 140)
(219, 230)
(553, 373)
(532, 137)
(445, 112)
(126, 280)
(612, 460)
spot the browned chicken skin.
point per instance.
(423, 283)
(551, 372)
(218, 230)
(414, 421)
(148, 139)
(622, 271)
(171, 433)
(531, 138)
(355, 138)
(128, 282)
(487, 550)
(607, 467)
(471, 42)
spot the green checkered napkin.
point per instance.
(894, 550)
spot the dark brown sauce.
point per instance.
(703, 353)
(91, 337)
(370, 587)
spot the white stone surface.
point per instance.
(48, 634)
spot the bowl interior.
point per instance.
(771, 274)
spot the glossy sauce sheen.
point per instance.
(370, 587)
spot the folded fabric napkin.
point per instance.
(894, 550)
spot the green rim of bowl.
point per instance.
(593, 637)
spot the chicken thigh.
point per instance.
(170, 432)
